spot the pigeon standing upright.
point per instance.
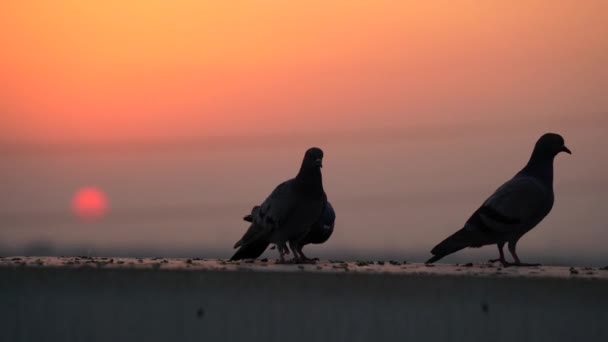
(319, 233)
(514, 209)
(288, 213)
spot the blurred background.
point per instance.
(150, 128)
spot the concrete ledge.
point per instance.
(82, 299)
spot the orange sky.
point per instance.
(111, 69)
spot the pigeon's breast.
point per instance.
(319, 233)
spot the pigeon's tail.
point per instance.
(462, 239)
(251, 250)
(434, 258)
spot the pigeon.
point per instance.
(319, 233)
(288, 213)
(514, 209)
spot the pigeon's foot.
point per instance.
(525, 264)
(294, 261)
(308, 261)
(518, 264)
(502, 261)
(304, 259)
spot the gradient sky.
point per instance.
(103, 70)
(187, 113)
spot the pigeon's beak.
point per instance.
(319, 162)
(567, 150)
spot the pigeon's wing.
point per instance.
(277, 208)
(516, 205)
(270, 214)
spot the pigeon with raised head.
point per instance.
(514, 209)
(288, 214)
(319, 233)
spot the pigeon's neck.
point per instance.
(310, 181)
(541, 167)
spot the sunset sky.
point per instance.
(103, 70)
(163, 122)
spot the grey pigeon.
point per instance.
(288, 213)
(514, 209)
(319, 233)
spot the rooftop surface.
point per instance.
(398, 268)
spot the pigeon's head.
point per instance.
(254, 212)
(550, 145)
(314, 157)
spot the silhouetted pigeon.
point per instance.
(319, 233)
(288, 214)
(514, 209)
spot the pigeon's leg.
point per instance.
(501, 257)
(304, 258)
(512, 245)
(285, 249)
(281, 247)
(296, 256)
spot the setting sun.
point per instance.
(89, 203)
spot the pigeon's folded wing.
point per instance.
(516, 205)
(275, 209)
